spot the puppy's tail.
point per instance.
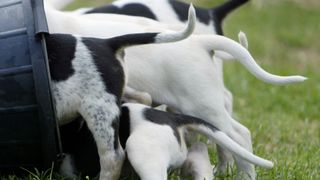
(121, 42)
(216, 42)
(224, 140)
(242, 40)
(220, 12)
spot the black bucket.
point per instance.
(27, 120)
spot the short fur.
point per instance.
(197, 163)
(88, 79)
(187, 64)
(156, 142)
(209, 21)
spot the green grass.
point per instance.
(284, 120)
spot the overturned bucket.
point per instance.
(28, 136)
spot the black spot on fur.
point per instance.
(119, 42)
(124, 126)
(115, 126)
(108, 66)
(61, 50)
(163, 118)
(132, 9)
(181, 10)
(174, 120)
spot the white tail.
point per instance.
(176, 36)
(216, 42)
(226, 142)
(243, 39)
(121, 42)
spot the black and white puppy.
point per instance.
(88, 78)
(154, 142)
(185, 91)
(209, 21)
(171, 12)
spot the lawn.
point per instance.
(284, 38)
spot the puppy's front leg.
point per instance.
(101, 115)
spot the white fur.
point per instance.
(84, 93)
(132, 95)
(180, 77)
(197, 163)
(164, 13)
(59, 4)
(153, 148)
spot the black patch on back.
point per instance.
(124, 131)
(132, 9)
(174, 120)
(108, 66)
(131, 39)
(163, 118)
(181, 10)
(61, 51)
(78, 141)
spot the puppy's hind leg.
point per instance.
(242, 136)
(245, 169)
(225, 158)
(101, 115)
(246, 138)
(134, 96)
(149, 163)
(225, 162)
(228, 100)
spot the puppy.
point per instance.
(88, 79)
(156, 140)
(209, 21)
(179, 78)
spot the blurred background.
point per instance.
(284, 38)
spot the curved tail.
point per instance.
(242, 40)
(226, 142)
(216, 42)
(121, 42)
